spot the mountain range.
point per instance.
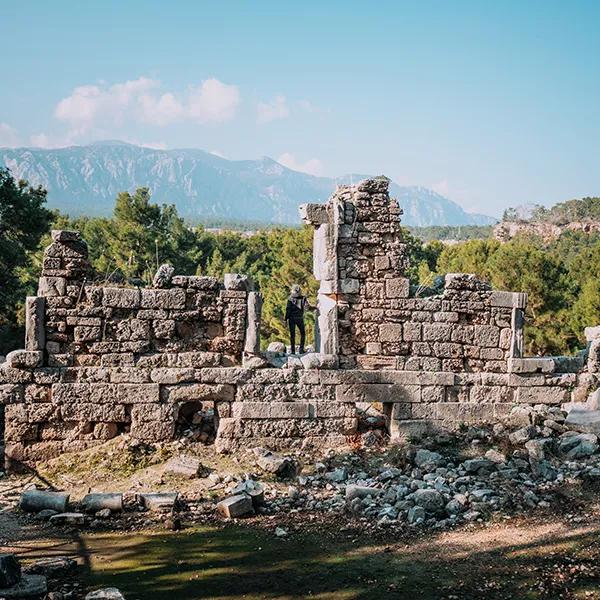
(84, 180)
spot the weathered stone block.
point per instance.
(198, 392)
(235, 506)
(35, 327)
(508, 299)
(25, 359)
(52, 286)
(542, 395)
(270, 410)
(398, 287)
(390, 332)
(437, 332)
(115, 297)
(165, 299)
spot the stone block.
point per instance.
(152, 432)
(486, 336)
(398, 287)
(87, 334)
(349, 286)
(115, 297)
(437, 332)
(198, 392)
(378, 392)
(508, 299)
(253, 315)
(133, 393)
(390, 332)
(25, 359)
(270, 410)
(52, 286)
(172, 375)
(542, 395)
(412, 332)
(235, 506)
(531, 365)
(35, 326)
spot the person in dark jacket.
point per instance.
(297, 304)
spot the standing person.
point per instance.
(294, 315)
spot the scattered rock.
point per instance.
(281, 466)
(68, 519)
(109, 593)
(235, 506)
(27, 587)
(185, 466)
(58, 566)
(160, 501)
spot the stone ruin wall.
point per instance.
(102, 360)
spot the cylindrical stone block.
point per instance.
(37, 500)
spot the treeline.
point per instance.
(561, 279)
(584, 209)
(452, 232)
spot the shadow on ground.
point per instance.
(241, 562)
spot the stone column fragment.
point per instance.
(253, 314)
(35, 326)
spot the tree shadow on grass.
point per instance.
(242, 562)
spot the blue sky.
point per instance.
(492, 104)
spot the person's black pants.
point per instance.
(300, 325)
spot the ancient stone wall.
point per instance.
(372, 317)
(101, 360)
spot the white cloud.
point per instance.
(312, 166)
(8, 135)
(273, 110)
(94, 108)
(89, 105)
(213, 102)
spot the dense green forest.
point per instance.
(561, 278)
(584, 209)
(452, 232)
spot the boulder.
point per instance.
(237, 282)
(430, 500)
(428, 460)
(578, 445)
(277, 347)
(54, 566)
(281, 466)
(253, 490)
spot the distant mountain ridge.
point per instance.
(85, 180)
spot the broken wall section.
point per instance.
(371, 319)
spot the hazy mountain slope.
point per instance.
(86, 180)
